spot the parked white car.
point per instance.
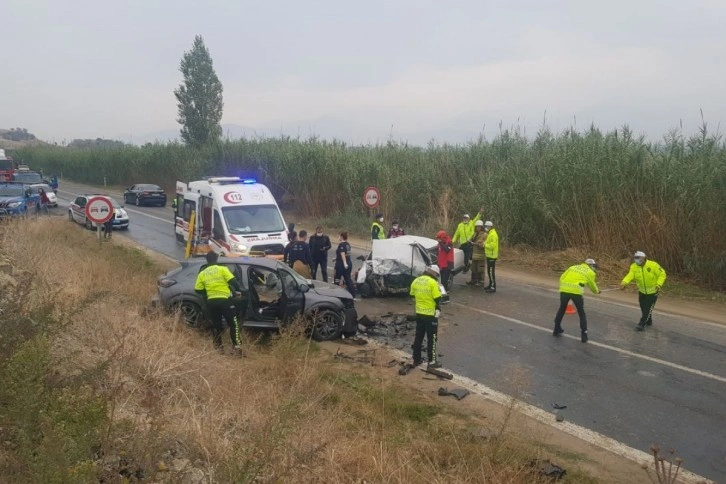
(77, 212)
(52, 197)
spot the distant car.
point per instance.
(77, 212)
(275, 295)
(52, 197)
(393, 264)
(28, 177)
(18, 200)
(145, 194)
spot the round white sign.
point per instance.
(371, 197)
(99, 210)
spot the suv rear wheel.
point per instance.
(327, 325)
(192, 313)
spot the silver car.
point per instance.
(274, 295)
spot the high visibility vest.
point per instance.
(573, 280)
(215, 280)
(425, 289)
(648, 277)
(381, 231)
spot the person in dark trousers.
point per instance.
(649, 276)
(319, 247)
(215, 284)
(491, 251)
(299, 255)
(377, 230)
(291, 237)
(343, 264)
(427, 295)
(395, 230)
(108, 228)
(464, 234)
(572, 288)
(445, 259)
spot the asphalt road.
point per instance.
(666, 385)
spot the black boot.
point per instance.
(583, 336)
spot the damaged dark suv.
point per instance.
(274, 295)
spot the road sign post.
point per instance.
(371, 199)
(99, 210)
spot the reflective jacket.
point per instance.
(426, 292)
(649, 277)
(377, 231)
(465, 230)
(215, 280)
(491, 246)
(478, 245)
(573, 280)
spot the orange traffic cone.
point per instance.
(570, 308)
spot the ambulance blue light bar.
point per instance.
(249, 181)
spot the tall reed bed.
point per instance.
(610, 192)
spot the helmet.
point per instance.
(479, 223)
(591, 263)
(488, 223)
(433, 270)
(440, 234)
(379, 215)
(640, 254)
(466, 215)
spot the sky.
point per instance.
(365, 72)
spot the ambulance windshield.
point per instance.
(253, 219)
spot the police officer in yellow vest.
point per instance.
(649, 277)
(214, 283)
(572, 287)
(425, 290)
(377, 230)
(491, 251)
(464, 234)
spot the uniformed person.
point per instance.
(491, 252)
(377, 230)
(425, 291)
(572, 288)
(649, 276)
(478, 255)
(214, 283)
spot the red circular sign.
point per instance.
(233, 197)
(371, 197)
(99, 210)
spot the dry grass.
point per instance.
(288, 412)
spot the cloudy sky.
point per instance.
(368, 70)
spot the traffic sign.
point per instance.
(99, 210)
(371, 197)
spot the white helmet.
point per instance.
(433, 270)
(591, 263)
(479, 223)
(488, 223)
(640, 254)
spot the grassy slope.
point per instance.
(139, 390)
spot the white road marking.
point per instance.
(590, 436)
(130, 210)
(652, 359)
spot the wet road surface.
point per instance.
(666, 385)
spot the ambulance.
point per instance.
(233, 216)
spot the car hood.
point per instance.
(330, 290)
(5, 201)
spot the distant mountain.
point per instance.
(18, 138)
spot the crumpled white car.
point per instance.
(394, 263)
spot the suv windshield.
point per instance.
(11, 191)
(28, 177)
(253, 219)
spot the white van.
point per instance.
(234, 216)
